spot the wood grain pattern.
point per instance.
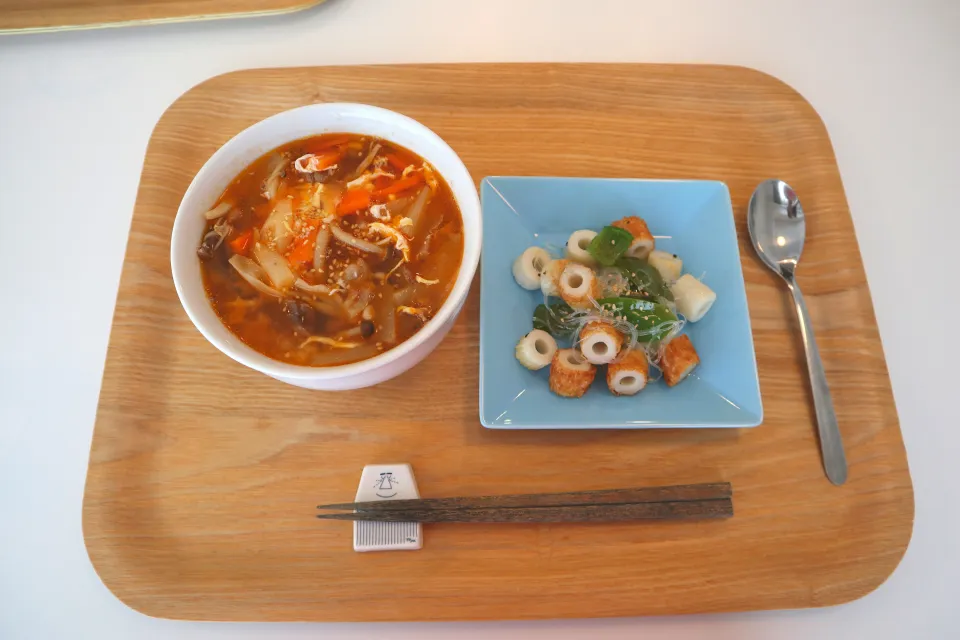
(58, 15)
(204, 475)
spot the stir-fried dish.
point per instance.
(621, 303)
(331, 249)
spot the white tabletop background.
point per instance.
(77, 109)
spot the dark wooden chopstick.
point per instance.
(676, 493)
(684, 510)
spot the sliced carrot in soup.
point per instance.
(397, 186)
(352, 201)
(398, 160)
(321, 144)
(241, 244)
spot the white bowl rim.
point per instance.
(451, 306)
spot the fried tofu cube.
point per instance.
(678, 359)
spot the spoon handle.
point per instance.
(831, 445)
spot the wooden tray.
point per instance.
(61, 15)
(204, 475)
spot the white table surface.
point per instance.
(77, 109)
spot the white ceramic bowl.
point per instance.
(250, 144)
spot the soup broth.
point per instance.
(331, 249)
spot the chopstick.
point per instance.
(675, 493)
(692, 509)
(710, 500)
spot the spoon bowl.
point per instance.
(776, 224)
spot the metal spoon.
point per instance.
(777, 228)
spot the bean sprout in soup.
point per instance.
(331, 249)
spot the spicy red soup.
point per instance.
(331, 249)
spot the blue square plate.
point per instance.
(693, 219)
